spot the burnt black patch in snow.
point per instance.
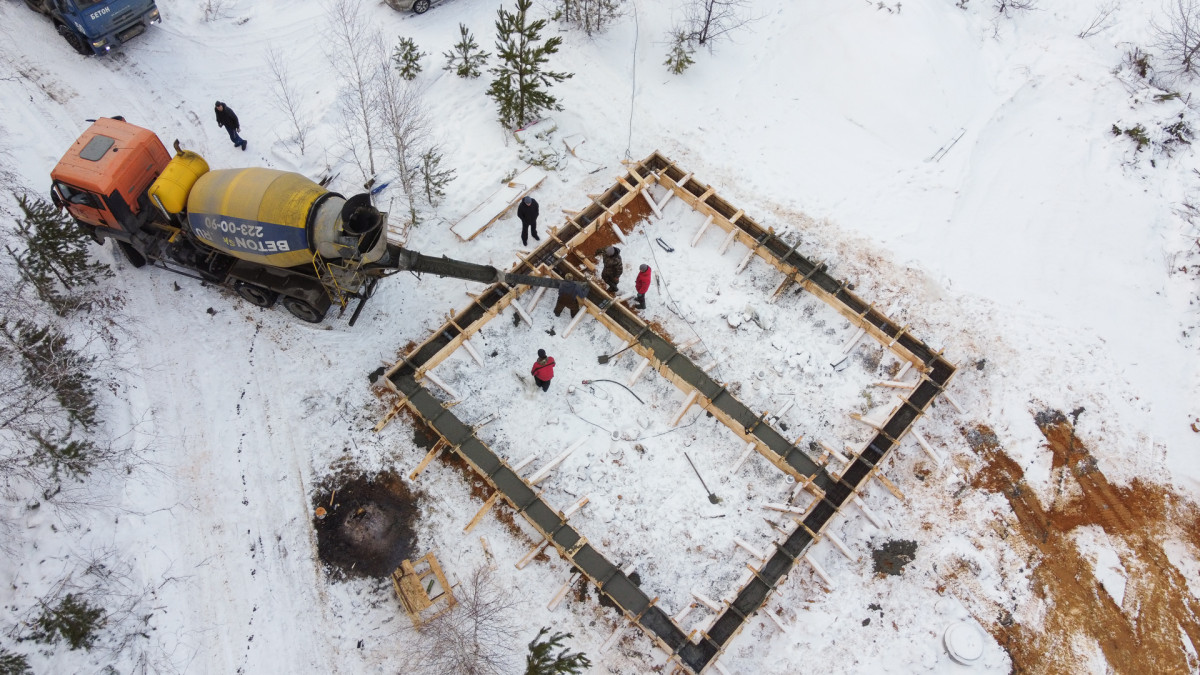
(367, 525)
(894, 555)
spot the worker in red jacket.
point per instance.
(642, 284)
(543, 370)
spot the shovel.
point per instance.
(712, 499)
(605, 358)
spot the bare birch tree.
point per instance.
(404, 120)
(286, 98)
(707, 21)
(1177, 37)
(358, 55)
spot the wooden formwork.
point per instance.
(831, 491)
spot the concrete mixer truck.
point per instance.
(268, 235)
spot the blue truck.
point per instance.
(96, 26)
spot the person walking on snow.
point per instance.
(228, 119)
(641, 285)
(613, 267)
(569, 295)
(528, 213)
(543, 370)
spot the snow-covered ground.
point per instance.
(958, 167)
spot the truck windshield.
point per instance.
(85, 4)
(76, 196)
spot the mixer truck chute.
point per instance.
(269, 235)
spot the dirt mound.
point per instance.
(367, 526)
(893, 556)
(1156, 623)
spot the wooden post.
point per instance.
(896, 385)
(775, 620)
(616, 635)
(903, 369)
(429, 456)
(688, 343)
(950, 399)
(746, 260)
(487, 552)
(617, 231)
(784, 508)
(701, 231)
(545, 470)
(687, 403)
(527, 461)
(678, 618)
(487, 506)
(925, 446)
(579, 504)
(665, 200)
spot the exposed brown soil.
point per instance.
(626, 219)
(364, 524)
(1147, 632)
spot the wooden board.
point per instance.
(495, 206)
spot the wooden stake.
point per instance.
(617, 231)
(688, 343)
(562, 592)
(925, 446)
(700, 233)
(521, 311)
(775, 620)
(746, 260)
(487, 506)
(891, 487)
(487, 552)
(678, 618)
(896, 385)
(867, 512)
(616, 635)
(833, 452)
(429, 457)
(545, 470)
(445, 387)
(833, 539)
(579, 504)
(532, 554)
(650, 201)
(471, 351)
(687, 403)
(537, 297)
(750, 549)
(820, 571)
(574, 322)
(729, 239)
(742, 458)
(707, 601)
(903, 369)
(853, 339)
(950, 399)
(783, 508)
(637, 372)
(527, 461)
(665, 200)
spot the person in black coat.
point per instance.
(528, 213)
(228, 119)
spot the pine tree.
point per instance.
(593, 16)
(55, 256)
(466, 59)
(521, 87)
(50, 364)
(407, 59)
(680, 56)
(73, 620)
(13, 664)
(542, 661)
(434, 177)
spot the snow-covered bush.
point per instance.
(592, 16)
(406, 58)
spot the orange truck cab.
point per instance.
(103, 178)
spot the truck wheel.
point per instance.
(302, 310)
(255, 295)
(134, 257)
(74, 40)
(421, 6)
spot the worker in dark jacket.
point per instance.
(611, 274)
(528, 213)
(543, 370)
(569, 295)
(641, 285)
(228, 119)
